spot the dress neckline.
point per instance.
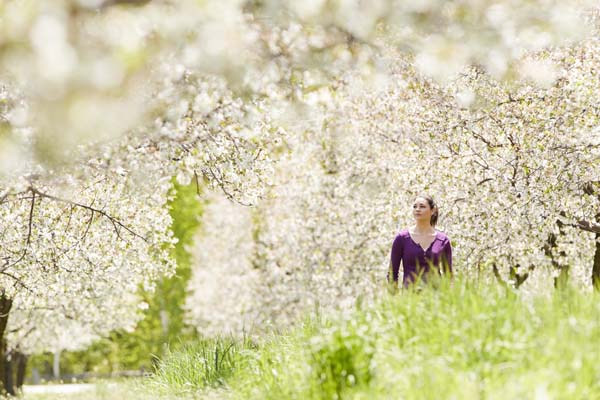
(421, 247)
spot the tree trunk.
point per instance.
(56, 365)
(596, 267)
(5, 305)
(561, 281)
(9, 382)
(516, 278)
(592, 188)
(21, 365)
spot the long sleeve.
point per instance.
(395, 259)
(447, 257)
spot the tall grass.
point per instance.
(204, 364)
(461, 341)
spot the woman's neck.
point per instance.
(423, 227)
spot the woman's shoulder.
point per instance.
(402, 234)
(442, 235)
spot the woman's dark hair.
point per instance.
(432, 205)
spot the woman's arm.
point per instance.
(395, 258)
(447, 258)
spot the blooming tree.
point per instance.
(79, 247)
(226, 275)
(103, 101)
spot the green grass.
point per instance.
(200, 365)
(465, 341)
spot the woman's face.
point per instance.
(421, 210)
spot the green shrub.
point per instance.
(342, 362)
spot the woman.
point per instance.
(421, 248)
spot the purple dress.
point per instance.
(418, 262)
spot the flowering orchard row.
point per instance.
(322, 115)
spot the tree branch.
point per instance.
(115, 222)
(28, 241)
(109, 3)
(221, 185)
(587, 226)
(17, 280)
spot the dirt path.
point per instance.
(67, 391)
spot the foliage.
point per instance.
(467, 340)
